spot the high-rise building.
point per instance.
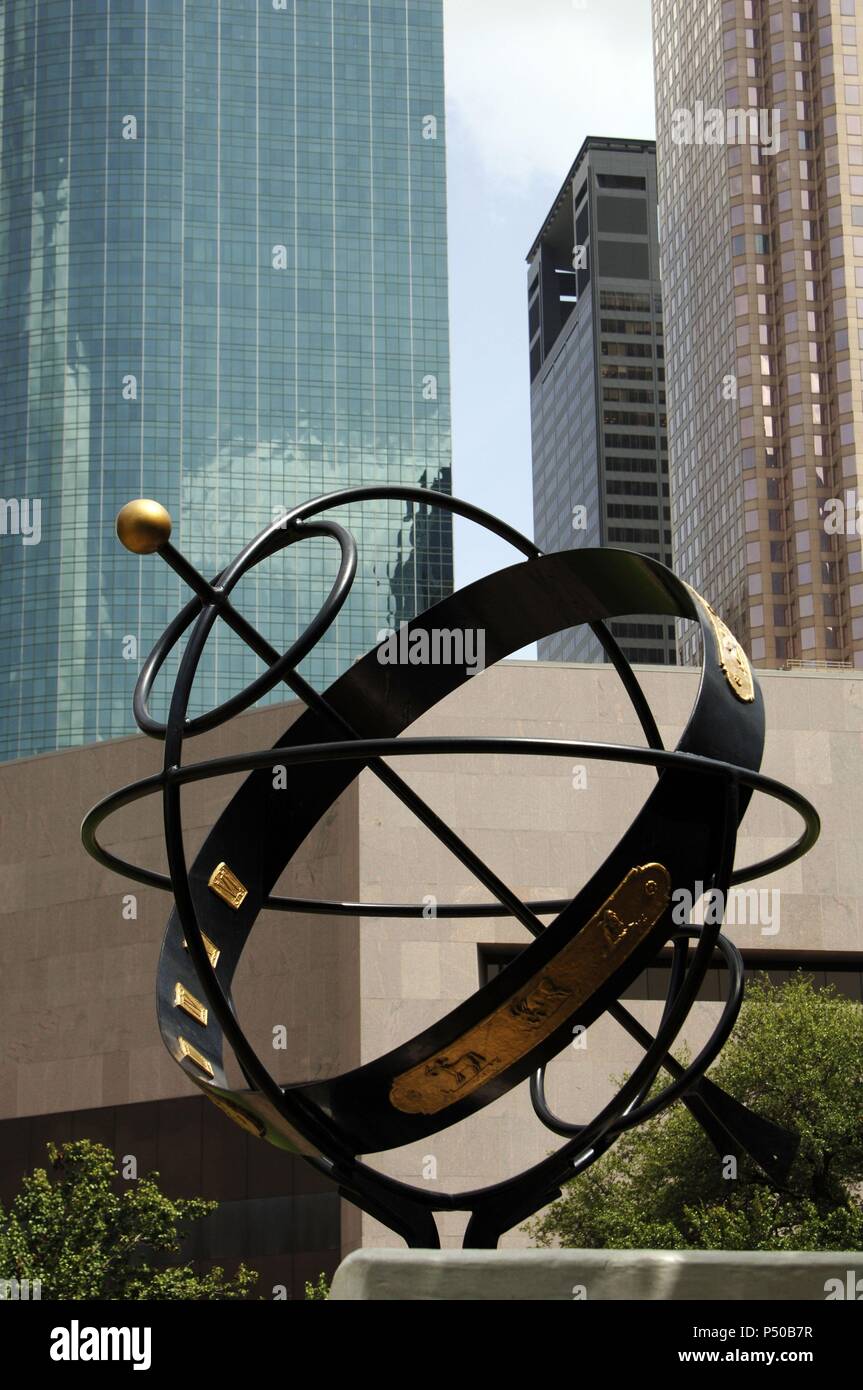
(597, 374)
(222, 285)
(760, 160)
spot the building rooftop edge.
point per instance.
(590, 142)
(596, 666)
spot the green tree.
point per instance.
(70, 1227)
(795, 1057)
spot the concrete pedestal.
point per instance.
(596, 1274)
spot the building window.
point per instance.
(843, 970)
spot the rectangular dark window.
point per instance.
(620, 181)
(628, 215)
(624, 260)
(842, 970)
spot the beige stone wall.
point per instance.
(77, 1011)
(543, 838)
(77, 980)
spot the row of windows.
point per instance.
(636, 535)
(643, 630)
(845, 976)
(640, 442)
(631, 511)
(625, 465)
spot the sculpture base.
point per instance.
(520, 1275)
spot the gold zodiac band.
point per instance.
(732, 657)
(546, 1001)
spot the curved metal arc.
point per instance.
(680, 1006)
(135, 791)
(216, 595)
(586, 1147)
(313, 1127)
(508, 533)
(618, 1012)
(636, 1030)
(275, 537)
(677, 975)
(630, 683)
(284, 532)
(396, 493)
(360, 750)
(325, 907)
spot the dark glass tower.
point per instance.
(223, 285)
(600, 461)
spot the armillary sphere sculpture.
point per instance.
(572, 972)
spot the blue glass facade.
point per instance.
(223, 285)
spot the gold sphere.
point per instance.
(143, 526)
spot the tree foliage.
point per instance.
(73, 1227)
(795, 1057)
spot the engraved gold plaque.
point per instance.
(184, 1000)
(250, 1123)
(210, 947)
(187, 1050)
(227, 885)
(546, 1001)
(732, 657)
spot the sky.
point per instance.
(526, 80)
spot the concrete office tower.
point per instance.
(597, 378)
(223, 285)
(760, 157)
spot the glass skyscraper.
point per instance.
(223, 285)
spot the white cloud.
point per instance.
(526, 82)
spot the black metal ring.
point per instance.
(361, 750)
(695, 1070)
(585, 1148)
(221, 588)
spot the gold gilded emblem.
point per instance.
(732, 657)
(546, 1001)
(210, 947)
(183, 999)
(250, 1123)
(228, 886)
(188, 1050)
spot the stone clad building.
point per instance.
(80, 1052)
